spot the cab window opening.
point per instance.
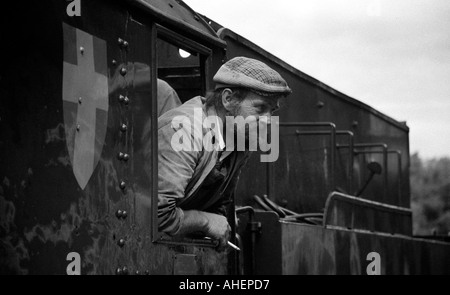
(181, 69)
(180, 72)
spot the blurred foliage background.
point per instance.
(430, 195)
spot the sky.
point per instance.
(393, 55)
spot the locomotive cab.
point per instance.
(79, 112)
(78, 122)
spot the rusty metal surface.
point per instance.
(44, 213)
(300, 249)
(52, 215)
(315, 250)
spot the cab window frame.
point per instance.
(160, 32)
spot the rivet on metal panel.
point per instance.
(123, 127)
(126, 100)
(121, 243)
(122, 185)
(123, 71)
(114, 62)
(355, 124)
(121, 98)
(125, 270)
(126, 157)
(120, 41)
(137, 272)
(78, 127)
(80, 100)
(124, 214)
(82, 50)
(320, 104)
(120, 156)
(125, 44)
(119, 271)
(119, 214)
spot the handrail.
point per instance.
(350, 146)
(332, 133)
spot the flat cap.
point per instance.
(252, 74)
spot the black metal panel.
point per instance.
(181, 18)
(46, 214)
(294, 248)
(261, 236)
(53, 215)
(316, 250)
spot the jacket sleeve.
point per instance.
(175, 170)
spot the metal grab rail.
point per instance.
(332, 134)
(350, 146)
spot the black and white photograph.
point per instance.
(225, 145)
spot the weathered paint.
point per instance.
(85, 95)
(317, 250)
(45, 212)
(293, 248)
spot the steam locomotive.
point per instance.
(78, 87)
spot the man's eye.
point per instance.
(261, 109)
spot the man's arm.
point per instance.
(175, 170)
(212, 225)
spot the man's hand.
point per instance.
(212, 225)
(218, 228)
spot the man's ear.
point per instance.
(227, 98)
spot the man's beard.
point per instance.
(235, 111)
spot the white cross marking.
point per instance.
(81, 81)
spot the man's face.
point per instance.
(257, 106)
(251, 109)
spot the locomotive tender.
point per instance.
(79, 87)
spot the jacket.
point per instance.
(181, 173)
